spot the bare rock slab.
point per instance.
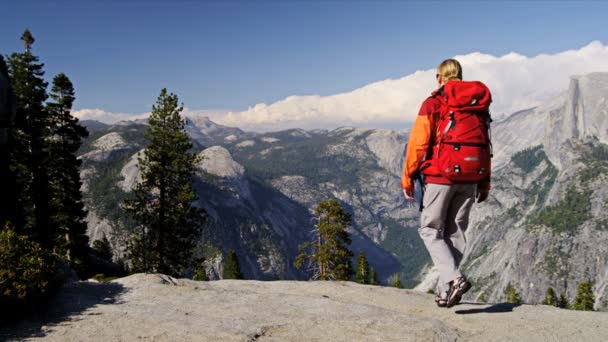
(155, 307)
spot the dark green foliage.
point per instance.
(430, 291)
(405, 243)
(102, 278)
(44, 139)
(563, 302)
(27, 272)
(584, 299)
(373, 277)
(529, 159)
(396, 282)
(328, 257)
(199, 273)
(103, 249)
(162, 202)
(568, 214)
(362, 275)
(483, 298)
(7, 112)
(550, 297)
(232, 269)
(511, 295)
(67, 206)
(537, 192)
(28, 147)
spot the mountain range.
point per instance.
(545, 223)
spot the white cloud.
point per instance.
(110, 117)
(517, 82)
(107, 117)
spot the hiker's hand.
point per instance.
(482, 195)
(409, 195)
(483, 190)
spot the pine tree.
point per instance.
(511, 295)
(163, 201)
(362, 276)
(584, 299)
(563, 301)
(232, 269)
(200, 273)
(103, 249)
(373, 277)
(7, 112)
(68, 212)
(28, 149)
(328, 256)
(550, 297)
(396, 282)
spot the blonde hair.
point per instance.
(450, 70)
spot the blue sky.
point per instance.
(232, 55)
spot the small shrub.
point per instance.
(585, 299)
(102, 278)
(396, 282)
(511, 295)
(27, 272)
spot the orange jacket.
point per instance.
(423, 135)
(421, 138)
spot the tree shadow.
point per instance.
(71, 301)
(492, 308)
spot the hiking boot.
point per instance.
(458, 287)
(441, 299)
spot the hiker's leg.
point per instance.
(436, 203)
(457, 219)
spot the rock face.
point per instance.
(217, 161)
(105, 146)
(161, 308)
(209, 133)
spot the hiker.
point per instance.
(449, 152)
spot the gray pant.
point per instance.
(444, 220)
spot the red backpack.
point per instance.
(463, 150)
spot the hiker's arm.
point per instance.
(417, 146)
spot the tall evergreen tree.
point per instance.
(362, 276)
(7, 113)
(163, 201)
(373, 277)
(328, 256)
(584, 299)
(67, 207)
(27, 144)
(550, 297)
(232, 269)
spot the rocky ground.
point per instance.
(160, 308)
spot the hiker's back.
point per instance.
(462, 148)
